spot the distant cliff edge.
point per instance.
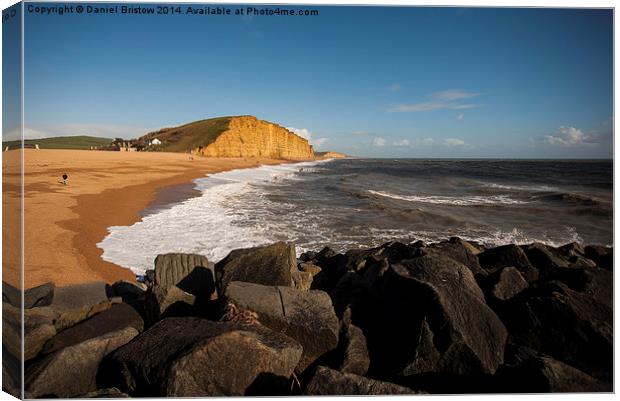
(243, 136)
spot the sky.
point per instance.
(366, 81)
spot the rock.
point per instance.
(569, 326)
(307, 256)
(268, 265)
(434, 319)
(11, 374)
(331, 382)
(307, 317)
(105, 393)
(127, 290)
(116, 318)
(599, 284)
(193, 357)
(356, 359)
(189, 272)
(41, 295)
(302, 280)
(78, 302)
(508, 255)
(544, 258)
(309, 268)
(601, 255)
(38, 329)
(528, 371)
(163, 302)
(72, 371)
(509, 283)
(460, 251)
(573, 249)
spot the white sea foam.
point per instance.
(450, 200)
(226, 216)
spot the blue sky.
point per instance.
(368, 81)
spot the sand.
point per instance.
(63, 224)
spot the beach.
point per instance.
(64, 223)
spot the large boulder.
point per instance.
(434, 319)
(508, 283)
(355, 358)
(193, 357)
(567, 325)
(528, 371)
(38, 329)
(327, 381)
(78, 302)
(603, 256)
(72, 371)
(180, 281)
(460, 251)
(508, 255)
(163, 302)
(274, 264)
(41, 295)
(116, 318)
(307, 317)
(191, 273)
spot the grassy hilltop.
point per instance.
(188, 136)
(61, 142)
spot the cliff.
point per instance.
(244, 136)
(330, 155)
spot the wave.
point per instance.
(449, 200)
(228, 215)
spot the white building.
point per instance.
(155, 142)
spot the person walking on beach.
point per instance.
(65, 177)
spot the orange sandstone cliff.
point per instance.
(243, 136)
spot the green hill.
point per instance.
(188, 136)
(61, 142)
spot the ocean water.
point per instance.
(353, 203)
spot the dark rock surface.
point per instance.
(508, 255)
(509, 283)
(528, 371)
(451, 317)
(268, 265)
(116, 318)
(307, 317)
(72, 371)
(328, 382)
(193, 357)
(454, 331)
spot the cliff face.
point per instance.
(330, 155)
(248, 136)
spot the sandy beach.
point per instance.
(64, 223)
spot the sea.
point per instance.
(359, 203)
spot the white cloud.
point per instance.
(425, 141)
(451, 142)
(402, 142)
(448, 99)
(453, 94)
(320, 141)
(394, 88)
(302, 132)
(461, 117)
(570, 136)
(307, 134)
(378, 141)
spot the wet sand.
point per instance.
(63, 224)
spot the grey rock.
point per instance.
(508, 255)
(436, 321)
(509, 283)
(192, 357)
(162, 302)
(116, 318)
(72, 371)
(356, 359)
(41, 295)
(307, 317)
(191, 273)
(267, 265)
(331, 382)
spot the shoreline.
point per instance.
(71, 227)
